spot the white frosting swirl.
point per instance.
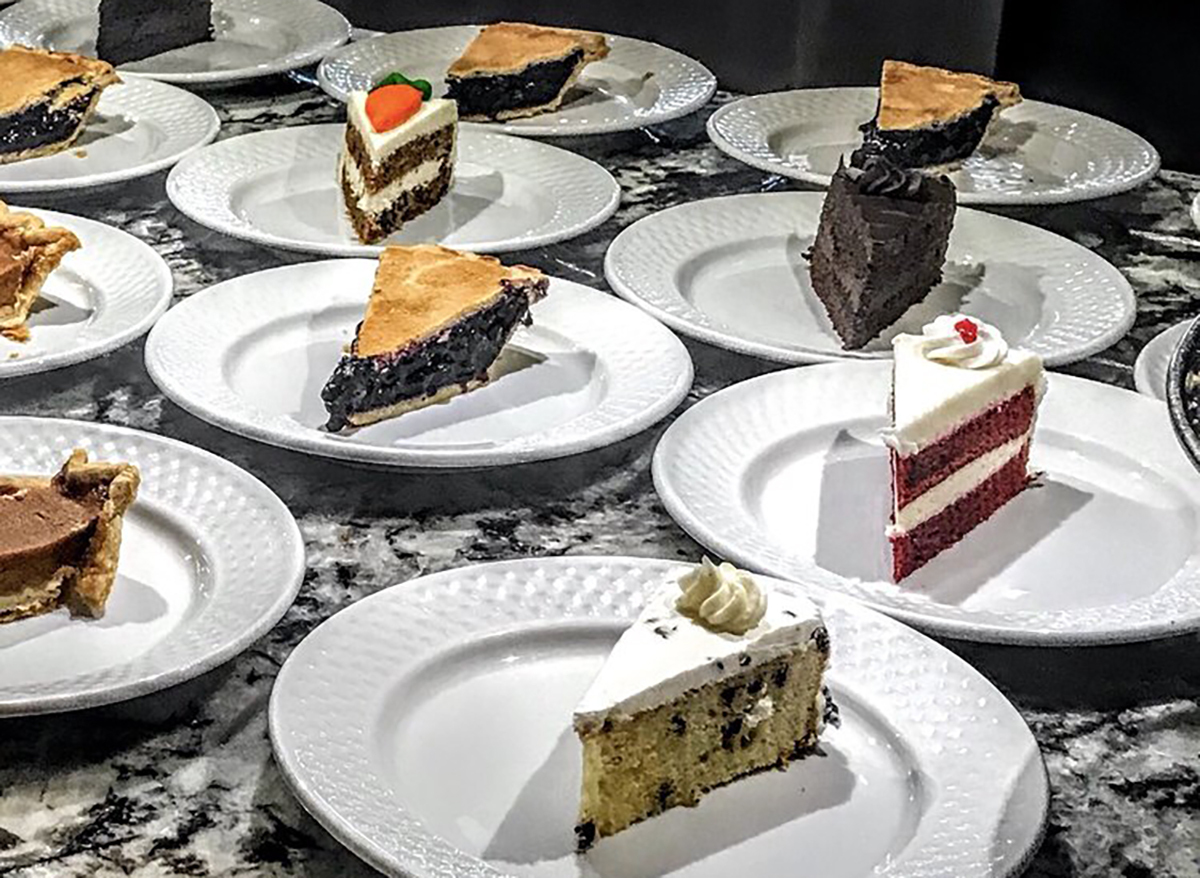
(943, 343)
(721, 598)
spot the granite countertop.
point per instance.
(183, 782)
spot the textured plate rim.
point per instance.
(283, 64)
(1161, 346)
(291, 580)
(165, 283)
(388, 862)
(802, 355)
(527, 128)
(200, 107)
(179, 391)
(784, 169)
(955, 626)
(180, 177)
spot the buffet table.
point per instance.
(183, 782)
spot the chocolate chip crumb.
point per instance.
(585, 835)
(744, 661)
(678, 724)
(729, 732)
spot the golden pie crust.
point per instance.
(507, 47)
(66, 551)
(29, 251)
(422, 289)
(913, 96)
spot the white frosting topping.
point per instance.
(721, 598)
(945, 344)
(666, 653)
(433, 115)
(932, 398)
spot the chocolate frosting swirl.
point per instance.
(881, 177)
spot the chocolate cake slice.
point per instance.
(46, 98)
(928, 116)
(436, 321)
(131, 30)
(880, 246)
(511, 70)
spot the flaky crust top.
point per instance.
(506, 47)
(30, 75)
(913, 96)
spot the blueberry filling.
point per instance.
(42, 124)
(488, 94)
(935, 144)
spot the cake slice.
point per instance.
(963, 412)
(881, 242)
(131, 30)
(436, 321)
(46, 98)
(929, 116)
(29, 251)
(715, 680)
(60, 537)
(398, 157)
(511, 70)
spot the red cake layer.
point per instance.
(915, 474)
(918, 546)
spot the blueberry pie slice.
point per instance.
(436, 321)
(46, 98)
(929, 116)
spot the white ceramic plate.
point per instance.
(252, 38)
(280, 188)
(638, 84)
(786, 474)
(252, 354)
(1035, 153)
(1196, 210)
(428, 728)
(210, 561)
(1150, 369)
(731, 272)
(102, 296)
(140, 127)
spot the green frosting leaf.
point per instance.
(397, 78)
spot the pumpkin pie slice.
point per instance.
(29, 251)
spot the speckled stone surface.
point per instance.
(183, 783)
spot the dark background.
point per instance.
(1130, 62)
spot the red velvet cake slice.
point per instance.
(963, 410)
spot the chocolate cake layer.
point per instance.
(458, 355)
(372, 228)
(937, 144)
(43, 125)
(487, 95)
(131, 30)
(413, 154)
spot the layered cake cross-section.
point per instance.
(880, 246)
(60, 537)
(716, 680)
(963, 411)
(512, 70)
(131, 30)
(435, 324)
(928, 116)
(29, 251)
(46, 99)
(398, 157)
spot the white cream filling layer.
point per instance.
(950, 490)
(377, 202)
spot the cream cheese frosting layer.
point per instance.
(434, 115)
(382, 199)
(665, 653)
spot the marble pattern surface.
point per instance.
(183, 783)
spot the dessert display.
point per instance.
(929, 116)
(880, 246)
(513, 70)
(60, 537)
(716, 680)
(29, 251)
(46, 99)
(963, 412)
(436, 321)
(398, 157)
(131, 30)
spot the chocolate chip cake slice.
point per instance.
(512, 70)
(716, 680)
(436, 321)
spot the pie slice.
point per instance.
(134, 29)
(60, 537)
(511, 70)
(46, 98)
(436, 321)
(29, 251)
(929, 116)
